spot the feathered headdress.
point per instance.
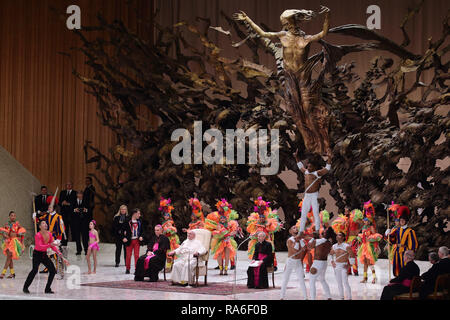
(259, 204)
(196, 208)
(356, 215)
(223, 203)
(369, 211)
(165, 207)
(404, 213)
(325, 216)
(393, 210)
(340, 224)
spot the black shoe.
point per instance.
(127, 272)
(49, 291)
(25, 290)
(216, 268)
(233, 267)
(355, 273)
(78, 254)
(117, 265)
(44, 271)
(85, 253)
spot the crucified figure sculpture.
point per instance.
(301, 96)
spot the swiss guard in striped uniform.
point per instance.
(404, 238)
(56, 227)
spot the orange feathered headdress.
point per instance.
(165, 206)
(260, 203)
(393, 210)
(197, 208)
(369, 211)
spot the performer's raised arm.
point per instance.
(299, 163)
(242, 16)
(326, 26)
(326, 169)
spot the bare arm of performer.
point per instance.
(242, 16)
(325, 170)
(299, 163)
(326, 26)
(332, 254)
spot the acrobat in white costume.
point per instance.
(296, 265)
(310, 199)
(321, 267)
(340, 264)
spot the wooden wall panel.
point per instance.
(45, 113)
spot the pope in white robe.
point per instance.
(184, 266)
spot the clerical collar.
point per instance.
(405, 226)
(52, 213)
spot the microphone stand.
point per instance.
(235, 269)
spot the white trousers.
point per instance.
(321, 267)
(342, 279)
(310, 200)
(297, 266)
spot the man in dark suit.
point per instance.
(430, 277)
(80, 223)
(89, 196)
(40, 201)
(402, 282)
(67, 199)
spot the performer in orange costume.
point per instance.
(197, 218)
(265, 220)
(369, 238)
(12, 245)
(169, 229)
(223, 225)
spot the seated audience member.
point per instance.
(401, 283)
(257, 275)
(442, 266)
(184, 265)
(150, 264)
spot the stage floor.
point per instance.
(106, 272)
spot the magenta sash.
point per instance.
(407, 282)
(147, 259)
(257, 269)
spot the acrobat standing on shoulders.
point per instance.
(312, 186)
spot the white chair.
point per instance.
(201, 269)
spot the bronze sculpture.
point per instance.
(301, 96)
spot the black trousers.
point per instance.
(38, 258)
(389, 292)
(154, 267)
(119, 246)
(67, 223)
(80, 234)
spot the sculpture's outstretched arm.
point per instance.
(242, 16)
(326, 26)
